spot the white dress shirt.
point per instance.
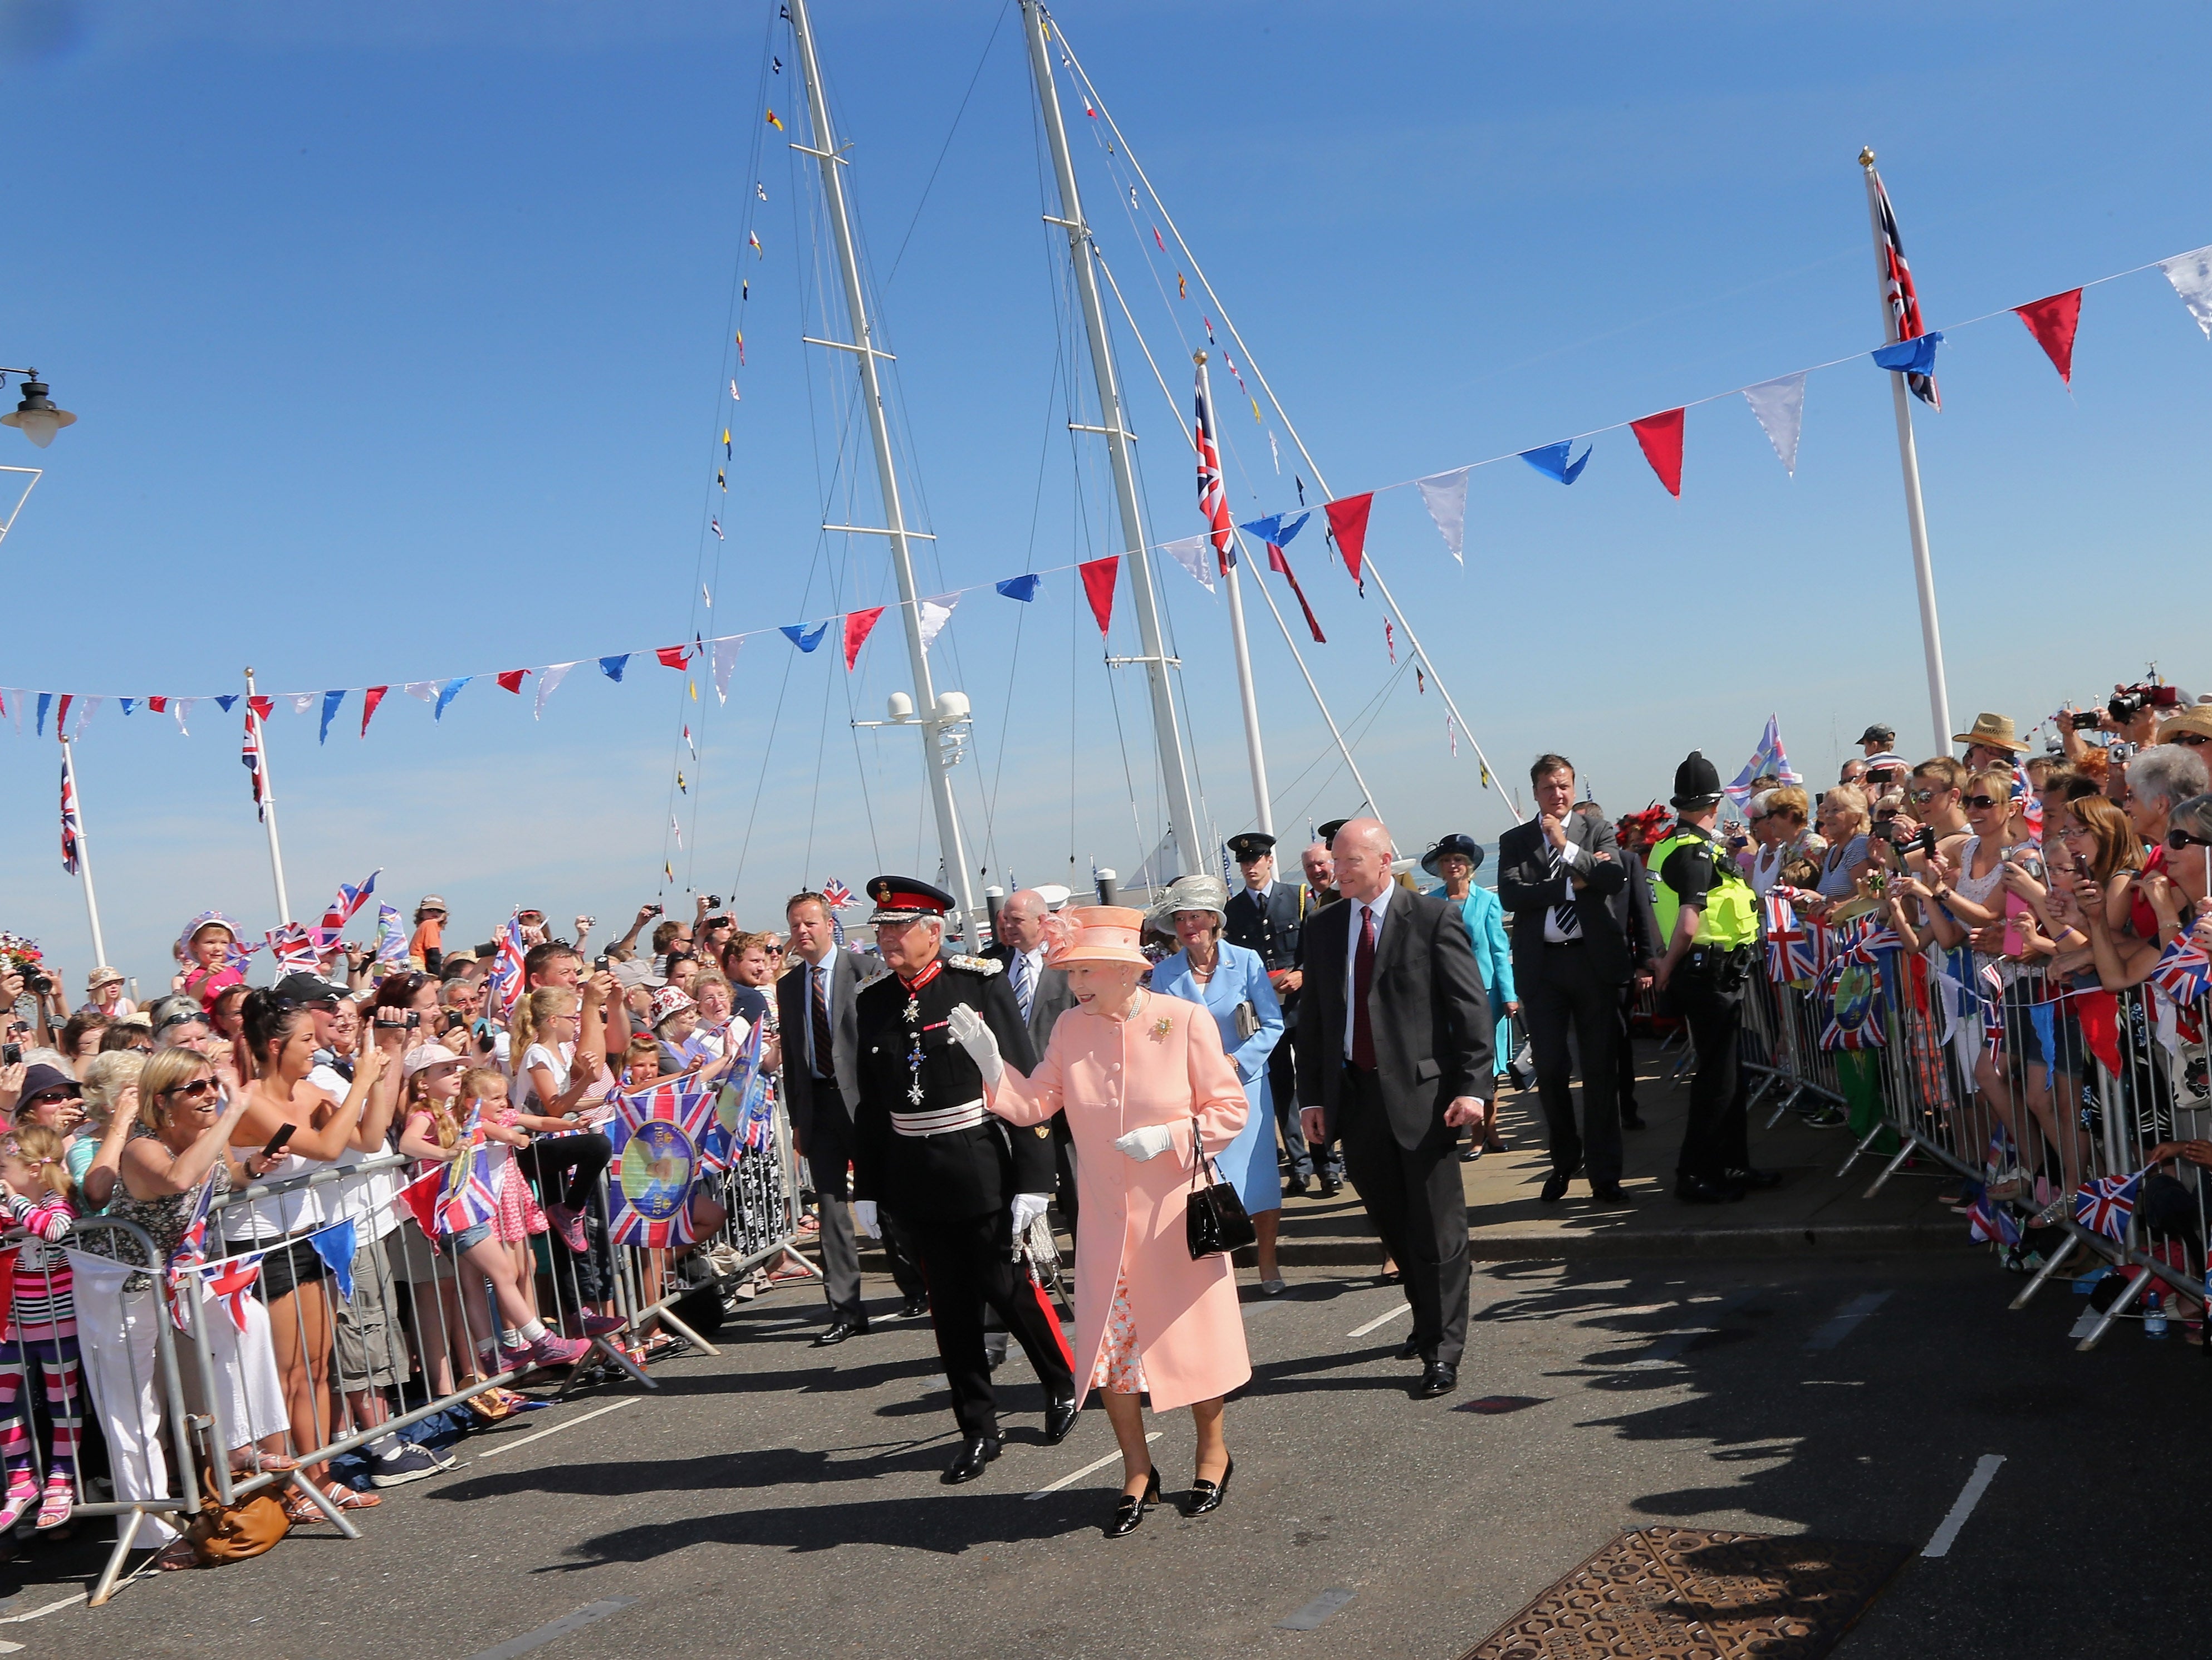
(1570, 858)
(1380, 903)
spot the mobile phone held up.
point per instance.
(276, 1143)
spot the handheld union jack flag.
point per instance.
(2105, 1205)
(836, 893)
(1768, 757)
(391, 938)
(1991, 1224)
(1789, 947)
(292, 949)
(251, 755)
(189, 1257)
(2030, 803)
(351, 897)
(72, 827)
(232, 1283)
(466, 1196)
(742, 1111)
(1897, 290)
(1212, 496)
(503, 986)
(659, 1134)
(2183, 971)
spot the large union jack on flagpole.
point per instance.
(256, 756)
(76, 855)
(1213, 502)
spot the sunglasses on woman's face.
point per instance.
(2179, 839)
(199, 1089)
(1985, 802)
(2194, 740)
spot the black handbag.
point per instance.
(1214, 1220)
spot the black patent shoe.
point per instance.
(1207, 1495)
(1129, 1509)
(1059, 1421)
(976, 1451)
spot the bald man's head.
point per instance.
(1320, 867)
(1021, 919)
(1362, 854)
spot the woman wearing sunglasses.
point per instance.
(2168, 901)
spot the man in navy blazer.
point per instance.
(1394, 1041)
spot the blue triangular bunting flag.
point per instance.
(1913, 356)
(1023, 589)
(447, 693)
(330, 701)
(803, 637)
(612, 666)
(1552, 461)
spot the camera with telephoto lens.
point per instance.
(2125, 705)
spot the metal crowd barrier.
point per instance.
(2028, 1090)
(318, 1353)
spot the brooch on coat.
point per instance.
(1162, 1027)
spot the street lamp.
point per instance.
(36, 417)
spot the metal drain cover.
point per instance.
(1684, 1593)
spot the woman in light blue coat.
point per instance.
(1455, 859)
(1227, 978)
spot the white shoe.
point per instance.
(1275, 1288)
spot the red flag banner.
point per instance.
(857, 624)
(369, 700)
(262, 708)
(1348, 521)
(2052, 322)
(673, 656)
(1278, 562)
(1661, 435)
(1098, 583)
(511, 680)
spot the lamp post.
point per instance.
(37, 417)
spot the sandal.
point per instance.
(346, 1498)
(176, 1554)
(58, 1504)
(257, 1463)
(300, 1509)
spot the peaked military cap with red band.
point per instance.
(906, 899)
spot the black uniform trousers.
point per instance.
(1716, 1135)
(1625, 1062)
(828, 1154)
(970, 1265)
(1283, 1089)
(1419, 1208)
(1567, 991)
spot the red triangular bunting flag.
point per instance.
(2052, 322)
(1098, 582)
(673, 656)
(62, 719)
(369, 700)
(1348, 520)
(857, 624)
(1661, 438)
(158, 705)
(420, 1196)
(262, 707)
(511, 680)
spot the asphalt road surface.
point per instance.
(782, 1500)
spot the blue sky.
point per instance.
(401, 344)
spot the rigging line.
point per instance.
(999, 22)
(760, 780)
(814, 805)
(860, 768)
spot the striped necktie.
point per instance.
(1025, 988)
(1564, 914)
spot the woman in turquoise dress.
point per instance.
(1455, 859)
(1224, 977)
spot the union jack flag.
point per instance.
(836, 893)
(351, 897)
(250, 753)
(189, 1257)
(1212, 496)
(1788, 946)
(391, 938)
(1898, 292)
(2183, 971)
(292, 949)
(232, 1283)
(2105, 1205)
(659, 1134)
(72, 827)
(503, 987)
(1988, 1223)
(2031, 804)
(466, 1196)
(742, 1109)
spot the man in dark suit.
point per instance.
(1394, 1056)
(1639, 922)
(1269, 916)
(1042, 994)
(821, 1083)
(1559, 874)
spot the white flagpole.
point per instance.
(268, 804)
(84, 855)
(1252, 750)
(1924, 574)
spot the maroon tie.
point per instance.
(1363, 978)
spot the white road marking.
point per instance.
(1986, 1469)
(539, 1435)
(1074, 1476)
(1845, 1321)
(590, 1613)
(70, 1601)
(2084, 1324)
(1403, 1308)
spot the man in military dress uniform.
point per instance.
(962, 1182)
(1267, 917)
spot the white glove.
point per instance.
(864, 1218)
(968, 1031)
(1147, 1143)
(1027, 1206)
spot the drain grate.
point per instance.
(1683, 1594)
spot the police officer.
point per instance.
(962, 1183)
(1267, 917)
(1708, 916)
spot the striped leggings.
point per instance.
(56, 1358)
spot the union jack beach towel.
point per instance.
(659, 1133)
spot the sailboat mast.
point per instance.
(1167, 732)
(934, 740)
(1262, 810)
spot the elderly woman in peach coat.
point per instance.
(1133, 1070)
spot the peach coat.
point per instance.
(1162, 1065)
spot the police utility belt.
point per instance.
(938, 1121)
(1723, 964)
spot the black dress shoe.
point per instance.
(1437, 1377)
(1608, 1192)
(1555, 1186)
(914, 1306)
(1330, 1187)
(976, 1451)
(1471, 1152)
(1752, 1178)
(1207, 1495)
(1129, 1509)
(1295, 1187)
(1410, 1349)
(844, 1326)
(994, 1354)
(1701, 1190)
(1059, 1421)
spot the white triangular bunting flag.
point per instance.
(1445, 495)
(548, 678)
(181, 708)
(425, 690)
(302, 701)
(1194, 554)
(2192, 277)
(725, 659)
(935, 614)
(84, 708)
(1780, 407)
